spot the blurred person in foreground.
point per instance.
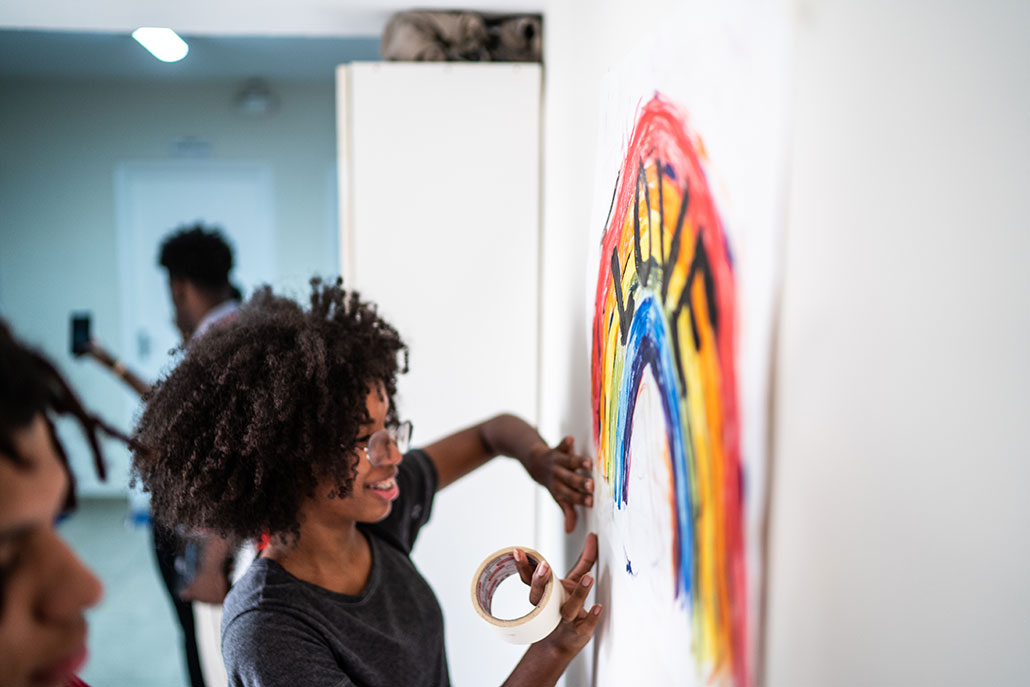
(44, 588)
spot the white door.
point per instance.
(153, 199)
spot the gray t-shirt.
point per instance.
(279, 631)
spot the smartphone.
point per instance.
(80, 332)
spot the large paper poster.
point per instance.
(686, 276)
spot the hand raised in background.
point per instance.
(566, 475)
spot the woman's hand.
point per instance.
(207, 586)
(545, 661)
(210, 584)
(577, 624)
(564, 474)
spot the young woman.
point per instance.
(44, 587)
(283, 425)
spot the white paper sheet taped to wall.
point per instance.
(531, 627)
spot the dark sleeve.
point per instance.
(270, 649)
(417, 480)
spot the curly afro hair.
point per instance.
(260, 410)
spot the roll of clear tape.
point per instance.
(531, 627)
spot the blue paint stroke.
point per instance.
(650, 346)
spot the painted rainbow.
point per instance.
(666, 301)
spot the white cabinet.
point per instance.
(440, 191)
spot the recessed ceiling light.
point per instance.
(164, 44)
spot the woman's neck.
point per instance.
(334, 555)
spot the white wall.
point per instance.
(899, 552)
(898, 556)
(59, 144)
(580, 46)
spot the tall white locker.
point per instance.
(439, 190)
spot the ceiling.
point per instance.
(300, 39)
(229, 17)
(116, 56)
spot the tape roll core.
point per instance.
(531, 627)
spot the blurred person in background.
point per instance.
(198, 261)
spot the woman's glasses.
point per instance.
(377, 450)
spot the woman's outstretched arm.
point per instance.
(565, 474)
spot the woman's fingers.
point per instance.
(570, 517)
(588, 623)
(586, 559)
(572, 607)
(578, 624)
(567, 500)
(582, 484)
(524, 565)
(563, 494)
(571, 461)
(570, 482)
(533, 574)
(539, 582)
(572, 488)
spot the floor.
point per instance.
(133, 636)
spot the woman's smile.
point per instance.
(386, 489)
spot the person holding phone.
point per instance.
(83, 344)
(285, 425)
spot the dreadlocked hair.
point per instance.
(262, 409)
(30, 385)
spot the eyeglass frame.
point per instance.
(399, 434)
